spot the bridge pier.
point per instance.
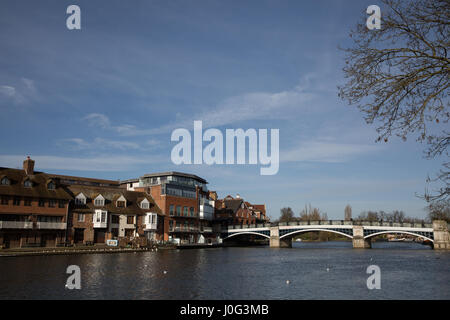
(276, 242)
(441, 235)
(358, 238)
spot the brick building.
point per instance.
(98, 214)
(185, 201)
(234, 211)
(33, 208)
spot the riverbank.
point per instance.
(75, 250)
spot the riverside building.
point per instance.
(186, 203)
(33, 208)
(40, 209)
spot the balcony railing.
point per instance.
(16, 225)
(206, 229)
(51, 225)
(100, 224)
(183, 229)
(150, 226)
(174, 215)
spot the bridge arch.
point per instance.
(247, 232)
(395, 231)
(290, 234)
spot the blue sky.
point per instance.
(102, 101)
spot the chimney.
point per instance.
(28, 166)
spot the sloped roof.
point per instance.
(111, 194)
(38, 190)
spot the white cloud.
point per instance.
(7, 91)
(98, 119)
(100, 143)
(326, 151)
(22, 93)
(245, 107)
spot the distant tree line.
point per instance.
(436, 210)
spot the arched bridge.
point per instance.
(360, 232)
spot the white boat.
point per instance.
(396, 239)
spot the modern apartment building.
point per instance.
(185, 201)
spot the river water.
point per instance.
(326, 270)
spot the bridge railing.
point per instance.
(333, 222)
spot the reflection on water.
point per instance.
(315, 270)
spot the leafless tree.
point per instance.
(399, 76)
(286, 215)
(439, 210)
(313, 214)
(348, 212)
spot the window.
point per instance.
(103, 216)
(51, 185)
(5, 181)
(51, 203)
(80, 199)
(16, 201)
(130, 219)
(185, 211)
(27, 184)
(144, 205)
(99, 202)
(153, 218)
(171, 210)
(5, 200)
(41, 202)
(61, 204)
(27, 202)
(192, 213)
(115, 219)
(81, 217)
(178, 210)
(121, 204)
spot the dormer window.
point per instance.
(5, 181)
(80, 199)
(121, 202)
(145, 204)
(99, 201)
(28, 183)
(51, 185)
